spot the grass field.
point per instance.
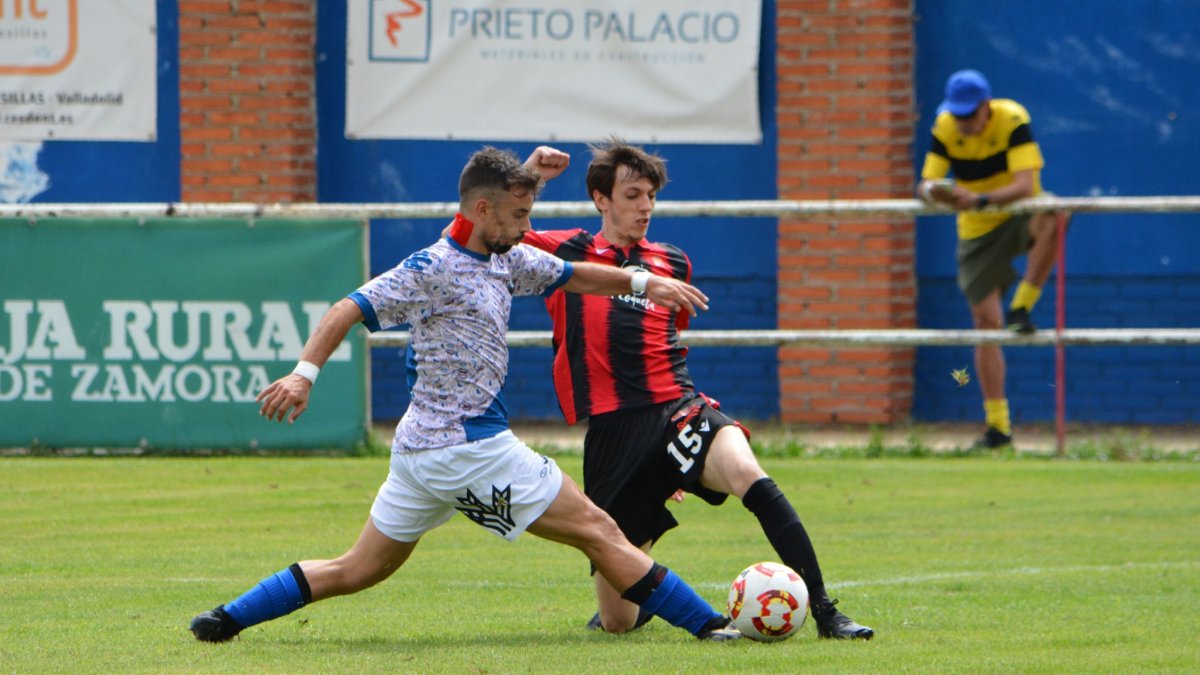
(961, 565)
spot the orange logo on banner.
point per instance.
(44, 24)
(399, 30)
(393, 19)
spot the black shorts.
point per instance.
(634, 460)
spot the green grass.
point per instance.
(961, 565)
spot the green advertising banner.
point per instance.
(160, 333)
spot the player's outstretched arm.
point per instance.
(678, 296)
(290, 392)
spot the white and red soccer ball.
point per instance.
(768, 602)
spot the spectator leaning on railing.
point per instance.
(988, 145)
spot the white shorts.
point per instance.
(497, 482)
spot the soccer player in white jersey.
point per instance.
(453, 450)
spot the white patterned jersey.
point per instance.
(457, 303)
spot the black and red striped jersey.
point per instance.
(620, 352)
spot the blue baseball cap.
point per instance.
(965, 90)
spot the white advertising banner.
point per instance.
(78, 70)
(663, 71)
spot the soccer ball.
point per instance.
(768, 602)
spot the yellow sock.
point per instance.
(1026, 296)
(996, 410)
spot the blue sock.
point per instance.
(277, 595)
(679, 605)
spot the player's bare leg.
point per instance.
(616, 614)
(575, 520)
(731, 466)
(373, 558)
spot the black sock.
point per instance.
(786, 533)
(640, 591)
(302, 582)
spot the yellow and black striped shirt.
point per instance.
(985, 162)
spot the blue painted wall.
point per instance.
(734, 260)
(113, 171)
(1113, 93)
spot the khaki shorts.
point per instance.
(497, 482)
(985, 263)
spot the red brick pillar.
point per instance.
(247, 100)
(845, 114)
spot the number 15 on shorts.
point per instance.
(686, 442)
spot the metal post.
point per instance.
(1060, 320)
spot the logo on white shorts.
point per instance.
(495, 516)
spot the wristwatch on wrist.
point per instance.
(981, 201)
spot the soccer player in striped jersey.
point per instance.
(618, 363)
(453, 450)
(988, 145)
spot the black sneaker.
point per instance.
(1018, 321)
(215, 625)
(642, 618)
(719, 630)
(991, 439)
(832, 624)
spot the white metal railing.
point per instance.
(743, 208)
(881, 338)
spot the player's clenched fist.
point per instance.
(548, 162)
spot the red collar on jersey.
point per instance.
(601, 242)
(460, 229)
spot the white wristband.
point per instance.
(308, 370)
(639, 281)
(927, 191)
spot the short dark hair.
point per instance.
(495, 170)
(608, 157)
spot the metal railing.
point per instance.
(739, 208)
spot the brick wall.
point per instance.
(247, 100)
(845, 116)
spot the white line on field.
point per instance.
(1016, 571)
